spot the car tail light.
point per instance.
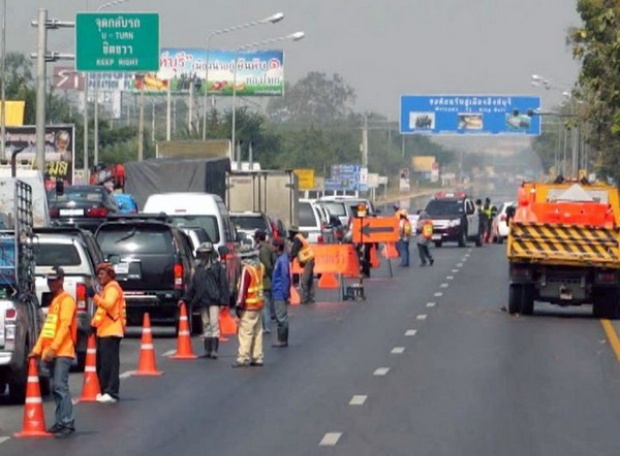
(97, 212)
(80, 296)
(178, 275)
(10, 314)
(606, 277)
(54, 212)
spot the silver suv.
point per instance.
(78, 253)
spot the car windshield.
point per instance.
(207, 222)
(444, 207)
(131, 239)
(56, 255)
(307, 216)
(249, 223)
(334, 208)
(78, 194)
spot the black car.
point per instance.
(83, 206)
(153, 262)
(455, 219)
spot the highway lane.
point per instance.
(459, 377)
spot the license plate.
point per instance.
(70, 212)
(436, 237)
(121, 268)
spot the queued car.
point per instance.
(314, 222)
(500, 228)
(82, 206)
(153, 261)
(455, 219)
(77, 252)
(248, 222)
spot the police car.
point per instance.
(455, 219)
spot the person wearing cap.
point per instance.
(56, 346)
(208, 291)
(109, 321)
(302, 250)
(425, 234)
(281, 288)
(249, 306)
(266, 256)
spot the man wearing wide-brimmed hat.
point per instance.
(302, 250)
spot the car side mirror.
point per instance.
(114, 259)
(60, 186)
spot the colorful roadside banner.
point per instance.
(259, 73)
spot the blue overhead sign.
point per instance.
(346, 177)
(469, 115)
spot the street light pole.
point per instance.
(3, 83)
(273, 19)
(96, 94)
(293, 37)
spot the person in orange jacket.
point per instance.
(56, 346)
(109, 320)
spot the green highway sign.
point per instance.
(117, 42)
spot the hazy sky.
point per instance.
(382, 48)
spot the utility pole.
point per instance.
(43, 56)
(3, 82)
(141, 125)
(365, 142)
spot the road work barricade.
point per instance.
(333, 262)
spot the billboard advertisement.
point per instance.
(469, 115)
(59, 149)
(423, 163)
(259, 73)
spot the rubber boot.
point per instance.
(208, 342)
(282, 338)
(216, 345)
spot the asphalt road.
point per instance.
(428, 365)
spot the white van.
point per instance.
(207, 211)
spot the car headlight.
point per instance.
(454, 223)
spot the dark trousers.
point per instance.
(425, 253)
(108, 365)
(307, 283)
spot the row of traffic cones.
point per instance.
(34, 417)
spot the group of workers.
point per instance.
(423, 234)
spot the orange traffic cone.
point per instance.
(184, 341)
(295, 298)
(147, 364)
(228, 326)
(389, 251)
(90, 386)
(351, 261)
(34, 417)
(374, 258)
(328, 280)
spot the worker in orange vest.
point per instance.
(302, 250)
(250, 304)
(56, 346)
(110, 320)
(425, 234)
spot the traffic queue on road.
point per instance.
(186, 262)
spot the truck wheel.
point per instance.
(438, 244)
(515, 297)
(527, 304)
(606, 305)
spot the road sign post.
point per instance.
(117, 42)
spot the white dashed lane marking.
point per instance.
(444, 285)
(381, 371)
(454, 271)
(460, 265)
(430, 304)
(398, 350)
(411, 332)
(450, 278)
(169, 353)
(438, 294)
(330, 439)
(4, 439)
(358, 400)
(421, 317)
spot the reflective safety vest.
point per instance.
(50, 327)
(306, 253)
(254, 299)
(488, 211)
(427, 230)
(114, 321)
(407, 228)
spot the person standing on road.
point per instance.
(281, 288)
(249, 306)
(266, 255)
(110, 320)
(56, 346)
(488, 216)
(208, 291)
(425, 234)
(482, 220)
(404, 232)
(302, 250)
